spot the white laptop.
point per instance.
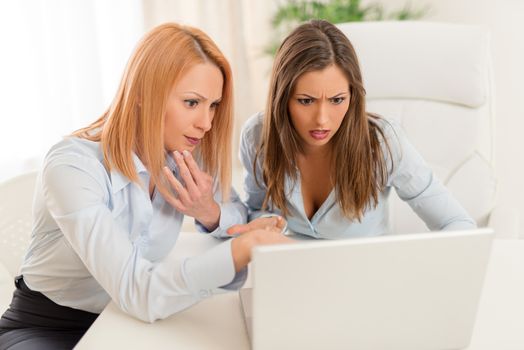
(406, 292)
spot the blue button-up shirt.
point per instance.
(98, 236)
(410, 176)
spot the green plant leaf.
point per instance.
(294, 12)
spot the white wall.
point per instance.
(60, 65)
(505, 20)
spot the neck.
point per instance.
(316, 152)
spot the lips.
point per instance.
(192, 140)
(319, 134)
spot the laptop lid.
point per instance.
(416, 291)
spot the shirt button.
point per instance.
(204, 293)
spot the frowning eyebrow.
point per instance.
(337, 95)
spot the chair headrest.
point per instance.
(422, 60)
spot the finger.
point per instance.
(177, 186)
(259, 223)
(184, 172)
(238, 229)
(193, 166)
(263, 222)
(174, 202)
(272, 229)
(281, 223)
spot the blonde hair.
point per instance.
(134, 122)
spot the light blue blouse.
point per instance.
(97, 237)
(410, 176)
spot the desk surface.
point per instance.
(217, 323)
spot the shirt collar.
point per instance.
(119, 180)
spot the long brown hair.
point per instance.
(359, 167)
(134, 122)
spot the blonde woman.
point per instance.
(318, 158)
(111, 198)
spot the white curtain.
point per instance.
(61, 62)
(59, 68)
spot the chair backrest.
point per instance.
(16, 199)
(435, 80)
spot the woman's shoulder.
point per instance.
(388, 126)
(391, 138)
(252, 127)
(75, 151)
(389, 131)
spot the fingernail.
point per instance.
(177, 154)
(186, 153)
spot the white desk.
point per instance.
(217, 323)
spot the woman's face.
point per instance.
(191, 107)
(318, 105)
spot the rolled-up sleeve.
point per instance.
(416, 184)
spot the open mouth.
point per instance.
(319, 134)
(192, 140)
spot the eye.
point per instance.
(337, 100)
(191, 103)
(305, 101)
(214, 105)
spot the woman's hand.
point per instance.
(269, 222)
(242, 246)
(195, 197)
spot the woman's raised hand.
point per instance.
(195, 197)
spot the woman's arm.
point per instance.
(77, 196)
(417, 185)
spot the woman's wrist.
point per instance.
(241, 250)
(211, 219)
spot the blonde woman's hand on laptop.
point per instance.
(263, 222)
(242, 245)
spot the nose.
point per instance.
(204, 120)
(322, 113)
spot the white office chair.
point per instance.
(435, 80)
(16, 198)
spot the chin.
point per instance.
(180, 148)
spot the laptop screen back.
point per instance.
(417, 291)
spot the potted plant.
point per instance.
(293, 12)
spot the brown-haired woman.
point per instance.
(111, 198)
(317, 157)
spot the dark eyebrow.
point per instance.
(339, 94)
(306, 95)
